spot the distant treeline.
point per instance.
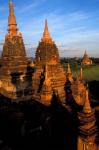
(78, 60)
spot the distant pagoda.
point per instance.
(13, 59)
(49, 76)
(86, 60)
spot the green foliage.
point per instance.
(90, 72)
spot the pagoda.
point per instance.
(13, 54)
(87, 127)
(49, 74)
(86, 60)
(13, 59)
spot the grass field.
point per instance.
(90, 73)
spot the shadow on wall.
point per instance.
(70, 99)
(23, 84)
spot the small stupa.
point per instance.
(86, 60)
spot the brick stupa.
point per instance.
(49, 74)
(13, 60)
(86, 60)
(14, 55)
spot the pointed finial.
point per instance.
(12, 25)
(81, 74)
(69, 69)
(10, 1)
(87, 107)
(69, 73)
(85, 54)
(46, 34)
(11, 6)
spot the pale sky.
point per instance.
(73, 24)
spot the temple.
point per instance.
(86, 60)
(49, 76)
(22, 80)
(77, 91)
(87, 127)
(14, 54)
(13, 60)
(47, 51)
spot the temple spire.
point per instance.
(86, 60)
(69, 69)
(81, 74)
(69, 73)
(46, 34)
(85, 54)
(87, 107)
(12, 25)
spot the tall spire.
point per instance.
(85, 54)
(81, 74)
(69, 69)
(87, 107)
(69, 73)
(12, 25)
(46, 34)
